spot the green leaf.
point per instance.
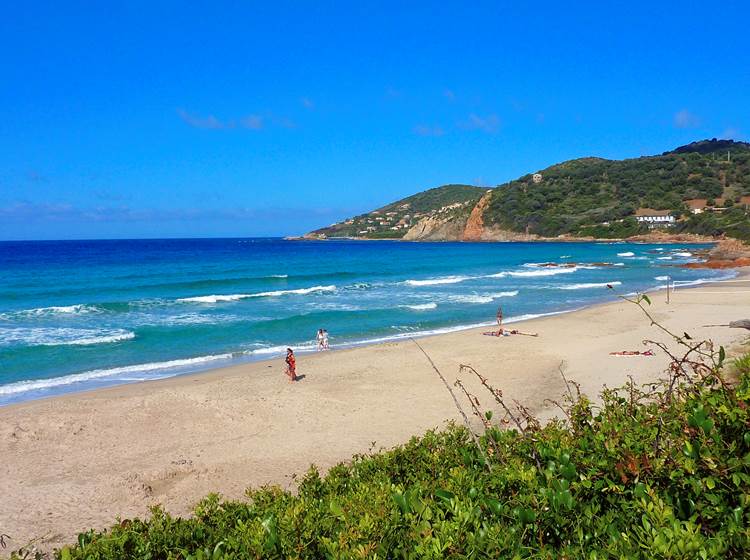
(494, 506)
(401, 502)
(722, 355)
(645, 298)
(488, 415)
(336, 509)
(444, 495)
(65, 554)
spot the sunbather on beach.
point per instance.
(632, 353)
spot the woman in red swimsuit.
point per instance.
(291, 365)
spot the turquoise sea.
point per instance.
(78, 315)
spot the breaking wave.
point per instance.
(237, 297)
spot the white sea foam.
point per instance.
(422, 306)
(661, 278)
(278, 276)
(683, 254)
(535, 273)
(626, 254)
(618, 264)
(664, 258)
(77, 309)
(438, 281)
(588, 285)
(236, 297)
(49, 336)
(477, 298)
(39, 384)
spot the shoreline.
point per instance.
(239, 359)
(682, 239)
(79, 460)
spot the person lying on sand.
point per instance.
(508, 332)
(632, 353)
(291, 365)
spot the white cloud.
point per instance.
(254, 122)
(428, 130)
(686, 119)
(200, 122)
(489, 123)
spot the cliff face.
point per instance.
(436, 229)
(475, 224)
(472, 228)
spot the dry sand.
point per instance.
(75, 462)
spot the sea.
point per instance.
(80, 315)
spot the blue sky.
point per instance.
(161, 119)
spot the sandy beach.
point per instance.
(79, 461)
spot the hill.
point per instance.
(582, 197)
(451, 203)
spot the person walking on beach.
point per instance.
(291, 365)
(325, 339)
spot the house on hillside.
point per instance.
(697, 205)
(654, 218)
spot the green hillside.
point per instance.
(395, 219)
(578, 196)
(584, 197)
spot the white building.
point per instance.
(654, 218)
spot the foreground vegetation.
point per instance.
(657, 472)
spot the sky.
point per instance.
(191, 119)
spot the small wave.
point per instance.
(683, 254)
(37, 336)
(277, 276)
(472, 299)
(626, 254)
(437, 281)
(477, 298)
(77, 309)
(421, 306)
(664, 258)
(618, 264)
(39, 384)
(535, 273)
(589, 285)
(359, 286)
(661, 278)
(267, 350)
(237, 297)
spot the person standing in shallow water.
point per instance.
(320, 339)
(291, 365)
